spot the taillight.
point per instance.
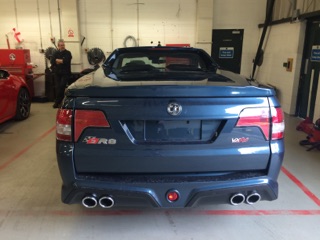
(88, 118)
(260, 117)
(63, 125)
(277, 123)
(256, 117)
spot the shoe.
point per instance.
(56, 105)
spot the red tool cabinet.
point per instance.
(18, 62)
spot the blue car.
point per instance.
(165, 127)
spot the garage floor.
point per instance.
(30, 206)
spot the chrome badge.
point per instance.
(174, 109)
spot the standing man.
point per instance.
(61, 64)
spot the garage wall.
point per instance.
(105, 24)
(244, 14)
(112, 22)
(283, 41)
(25, 17)
(288, 9)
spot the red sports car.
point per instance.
(15, 100)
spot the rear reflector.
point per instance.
(172, 195)
(63, 125)
(260, 117)
(88, 118)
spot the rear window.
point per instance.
(159, 64)
(159, 60)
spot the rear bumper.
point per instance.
(150, 193)
(154, 195)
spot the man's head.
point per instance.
(61, 45)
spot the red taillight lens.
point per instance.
(256, 117)
(88, 118)
(260, 117)
(63, 124)
(277, 123)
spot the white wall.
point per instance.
(204, 23)
(108, 25)
(284, 8)
(244, 14)
(24, 17)
(283, 41)
(105, 24)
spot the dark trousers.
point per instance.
(61, 81)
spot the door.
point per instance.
(309, 77)
(5, 96)
(227, 48)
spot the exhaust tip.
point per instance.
(89, 202)
(237, 199)
(106, 202)
(253, 198)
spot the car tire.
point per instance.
(23, 105)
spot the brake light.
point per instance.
(63, 125)
(278, 125)
(256, 117)
(260, 117)
(88, 118)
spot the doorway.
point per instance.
(309, 76)
(227, 48)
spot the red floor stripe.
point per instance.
(19, 154)
(313, 197)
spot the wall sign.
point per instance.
(70, 33)
(315, 53)
(226, 52)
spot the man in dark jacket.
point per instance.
(61, 64)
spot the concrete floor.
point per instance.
(30, 206)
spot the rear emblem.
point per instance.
(174, 109)
(95, 140)
(240, 140)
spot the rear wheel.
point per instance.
(23, 105)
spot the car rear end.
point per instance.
(134, 151)
(169, 145)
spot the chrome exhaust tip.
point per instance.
(106, 202)
(89, 202)
(253, 198)
(237, 199)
